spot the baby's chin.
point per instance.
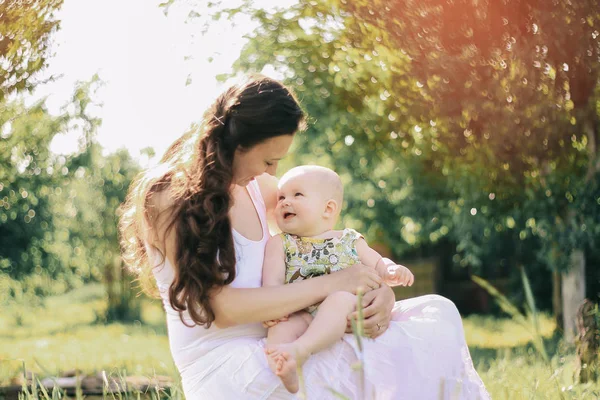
(292, 230)
(297, 232)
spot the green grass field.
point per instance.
(63, 336)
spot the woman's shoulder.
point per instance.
(160, 205)
(268, 190)
(158, 181)
(159, 210)
(161, 200)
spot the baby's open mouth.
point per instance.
(287, 215)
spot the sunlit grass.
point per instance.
(494, 333)
(525, 376)
(138, 350)
(63, 335)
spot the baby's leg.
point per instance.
(329, 324)
(327, 328)
(285, 332)
(290, 330)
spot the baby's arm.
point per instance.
(274, 263)
(392, 274)
(274, 269)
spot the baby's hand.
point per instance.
(272, 322)
(399, 275)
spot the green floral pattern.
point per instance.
(307, 257)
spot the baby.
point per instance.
(309, 203)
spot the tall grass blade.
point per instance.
(24, 388)
(34, 389)
(358, 335)
(56, 393)
(301, 383)
(502, 301)
(358, 329)
(338, 394)
(43, 390)
(517, 316)
(539, 340)
(78, 389)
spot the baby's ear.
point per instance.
(331, 208)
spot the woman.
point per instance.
(198, 222)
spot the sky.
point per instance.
(139, 53)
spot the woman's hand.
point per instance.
(357, 277)
(377, 311)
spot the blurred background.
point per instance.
(467, 134)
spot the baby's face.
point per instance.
(300, 206)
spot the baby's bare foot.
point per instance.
(287, 358)
(272, 355)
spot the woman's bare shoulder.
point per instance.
(160, 207)
(161, 200)
(268, 189)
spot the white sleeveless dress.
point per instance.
(422, 355)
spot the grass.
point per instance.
(63, 335)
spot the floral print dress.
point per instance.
(307, 257)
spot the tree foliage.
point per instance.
(517, 85)
(57, 212)
(468, 122)
(58, 223)
(26, 27)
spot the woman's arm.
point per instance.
(234, 306)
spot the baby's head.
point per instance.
(309, 200)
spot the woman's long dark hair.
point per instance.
(196, 172)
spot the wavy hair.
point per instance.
(196, 171)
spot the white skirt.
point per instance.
(422, 355)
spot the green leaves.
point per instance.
(447, 122)
(25, 31)
(57, 212)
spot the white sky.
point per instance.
(139, 53)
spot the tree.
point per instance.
(523, 69)
(58, 212)
(26, 27)
(475, 118)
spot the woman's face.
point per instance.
(261, 158)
